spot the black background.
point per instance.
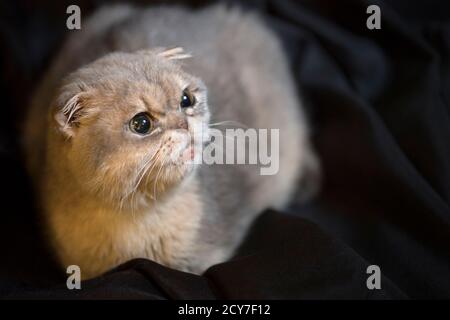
(379, 104)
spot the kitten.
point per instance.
(111, 147)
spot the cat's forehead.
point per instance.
(134, 66)
(145, 82)
(148, 75)
(150, 88)
(152, 95)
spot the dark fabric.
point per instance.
(283, 257)
(379, 105)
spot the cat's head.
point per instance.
(132, 125)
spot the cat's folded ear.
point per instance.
(71, 107)
(176, 53)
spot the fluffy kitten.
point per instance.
(110, 149)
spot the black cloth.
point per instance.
(283, 257)
(379, 104)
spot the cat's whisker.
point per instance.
(231, 122)
(149, 164)
(151, 168)
(157, 175)
(144, 169)
(139, 175)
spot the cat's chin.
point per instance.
(180, 170)
(170, 178)
(185, 162)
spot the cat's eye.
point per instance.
(141, 123)
(187, 100)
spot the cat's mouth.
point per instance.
(186, 151)
(188, 154)
(183, 155)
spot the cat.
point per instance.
(112, 133)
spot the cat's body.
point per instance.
(200, 219)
